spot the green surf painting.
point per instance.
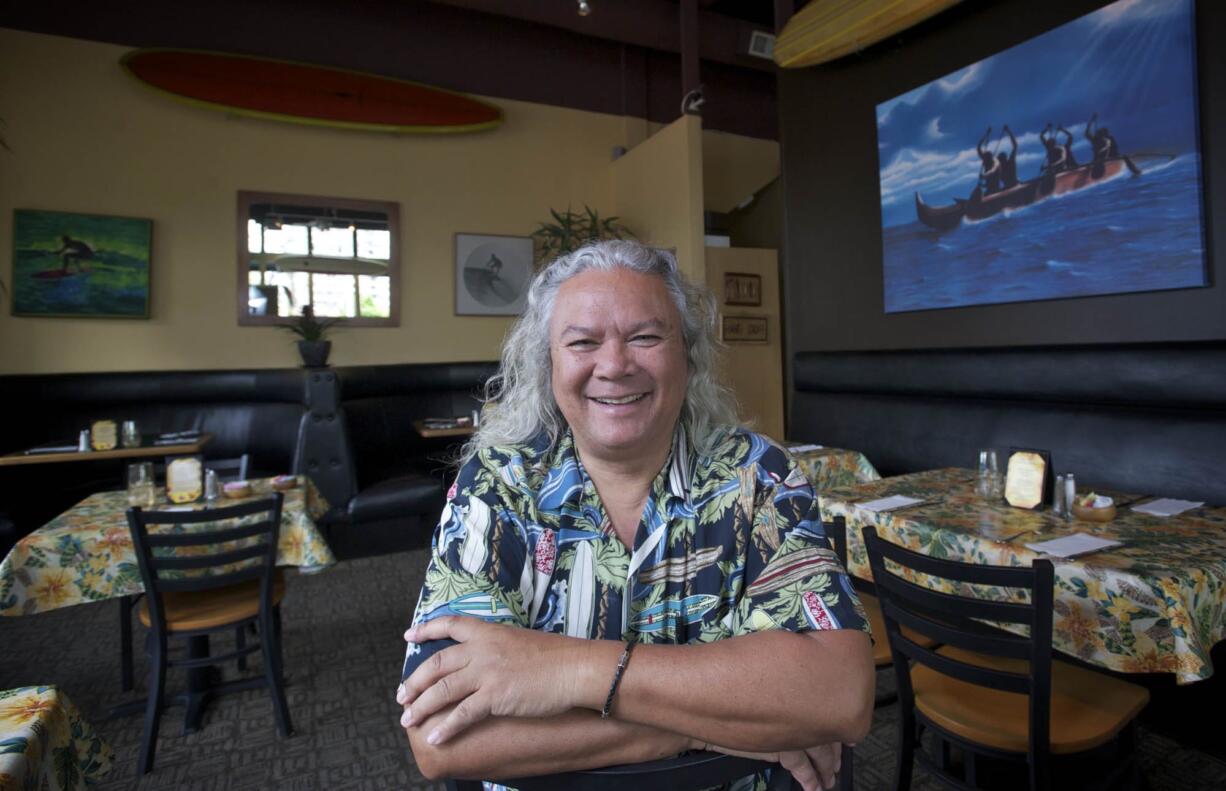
(80, 265)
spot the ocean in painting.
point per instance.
(1130, 233)
(114, 282)
(1130, 68)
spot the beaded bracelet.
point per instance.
(617, 677)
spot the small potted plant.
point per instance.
(571, 230)
(311, 332)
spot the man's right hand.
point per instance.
(816, 768)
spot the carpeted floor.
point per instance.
(343, 651)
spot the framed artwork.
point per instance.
(743, 329)
(1066, 166)
(81, 265)
(491, 274)
(742, 289)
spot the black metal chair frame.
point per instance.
(152, 566)
(127, 604)
(694, 770)
(961, 621)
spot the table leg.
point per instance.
(125, 642)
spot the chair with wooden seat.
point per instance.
(993, 693)
(837, 530)
(694, 770)
(208, 571)
(227, 469)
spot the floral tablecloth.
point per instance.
(827, 468)
(44, 743)
(1157, 604)
(85, 554)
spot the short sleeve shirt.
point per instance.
(728, 544)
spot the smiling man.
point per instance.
(620, 572)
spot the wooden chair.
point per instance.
(227, 582)
(690, 771)
(837, 530)
(226, 469)
(993, 693)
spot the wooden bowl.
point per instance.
(234, 491)
(1094, 514)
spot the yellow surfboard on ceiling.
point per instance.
(827, 29)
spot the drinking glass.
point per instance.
(989, 484)
(141, 488)
(131, 434)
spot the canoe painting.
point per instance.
(301, 93)
(668, 613)
(80, 265)
(1065, 166)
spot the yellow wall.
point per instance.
(754, 371)
(658, 191)
(87, 138)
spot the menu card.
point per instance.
(1166, 506)
(890, 503)
(1072, 546)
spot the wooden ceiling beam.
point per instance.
(651, 24)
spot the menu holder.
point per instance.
(103, 435)
(1028, 480)
(185, 479)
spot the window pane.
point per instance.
(374, 244)
(287, 239)
(332, 241)
(375, 294)
(334, 295)
(254, 243)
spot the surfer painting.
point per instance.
(1045, 213)
(74, 251)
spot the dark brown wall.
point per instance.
(439, 45)
(832, 248)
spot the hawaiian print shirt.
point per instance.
(728, 545)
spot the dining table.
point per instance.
(151, 447)
(46, 744)
(1156, 603)
(86, 555)
(827, 468)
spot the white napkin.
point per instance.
(803, 448)
(889, 503)
(1166, 506)
(1072, 546)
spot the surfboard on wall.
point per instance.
(300, 93)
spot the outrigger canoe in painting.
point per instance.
(1025, 193)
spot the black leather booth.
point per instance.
(400, 478)
(350, 429)
(1146, 418)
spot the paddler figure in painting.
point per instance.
(1008, 162)
(989, 169)
(609, 502)
(74, 251)
(1101, 143)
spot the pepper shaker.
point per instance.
(1058, 505)
(83, 440)
(1070, 493)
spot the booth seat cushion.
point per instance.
(405, 495)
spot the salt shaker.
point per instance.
(476, 418)
(83, 440)
(1070, 493)
(1058, 505)
(212, 487)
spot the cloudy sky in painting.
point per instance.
(1132, 62)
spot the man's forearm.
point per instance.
(761, 692)
(507, 747)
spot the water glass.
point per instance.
(141, 488)
(130, 435)
(989, 484)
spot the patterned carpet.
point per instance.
(343, 652)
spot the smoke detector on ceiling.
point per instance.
(762, 45)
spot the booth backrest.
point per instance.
(382, 401)
(1146, 418)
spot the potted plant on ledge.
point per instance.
(312, 332)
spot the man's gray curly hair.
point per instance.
(520, 394)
